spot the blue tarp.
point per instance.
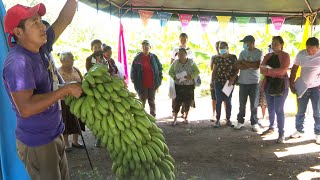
(11, 166)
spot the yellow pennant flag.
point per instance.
(223, 21)
(267, 28)
(306, 33)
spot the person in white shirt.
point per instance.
(305, 59)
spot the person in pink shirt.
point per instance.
(276, 82)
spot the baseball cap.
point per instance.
(18, 13)
(145, 42)
(248, 38)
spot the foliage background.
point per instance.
(89, 24)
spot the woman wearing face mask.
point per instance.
(274, 67)
(225, 70)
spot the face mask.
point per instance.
(223, 51)
(245, 46)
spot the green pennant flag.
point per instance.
(243, 21)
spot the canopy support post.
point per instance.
(115, 4)
(124, 3)
(309, 7)
(313, 18)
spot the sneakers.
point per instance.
(318, 139)
(239, 126)
(229, 123)
(255, 128)
(217, 124)
(296, 134)
(267, 132)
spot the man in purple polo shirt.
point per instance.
(29, 80)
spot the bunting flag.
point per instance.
(223, 21)
(11, 166)
(204, 21)
(306, 33)
(278, 21)
(145, 16)
(122, 55)
(185, 19)
(243, 21)
(164, 18)
(263, 22)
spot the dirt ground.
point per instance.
(204, 152)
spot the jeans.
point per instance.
(150, 95)
(314, 95)
(251, 90)
(220, 96)
(276, 107)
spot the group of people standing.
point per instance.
(262, 79)
(274, 85)
(146, 75)
(30, 80)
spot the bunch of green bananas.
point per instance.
(136, 145)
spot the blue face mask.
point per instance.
(223, 51)
(245, 46)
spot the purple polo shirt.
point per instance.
(25, 70)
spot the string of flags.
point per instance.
(223, 21)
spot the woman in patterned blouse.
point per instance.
(226, 70)
(184, 84)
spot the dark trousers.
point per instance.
(183, 106)
(220, 96)
(150, 95)
(185, 94)
(251, 90)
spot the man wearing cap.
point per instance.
(28, 78)
(146, 75)
(248, 63)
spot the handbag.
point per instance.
(277, 86)
(197, 81)
(172, 90)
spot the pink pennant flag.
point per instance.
(185, 19)
(278, 21)
(204, 21)
(122, 55)
(145, 16)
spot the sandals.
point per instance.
(174, 123)
(67, 149)
(185, 121)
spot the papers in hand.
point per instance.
(181, 76)
(300, 87)
(267, 66)
(227, 89)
